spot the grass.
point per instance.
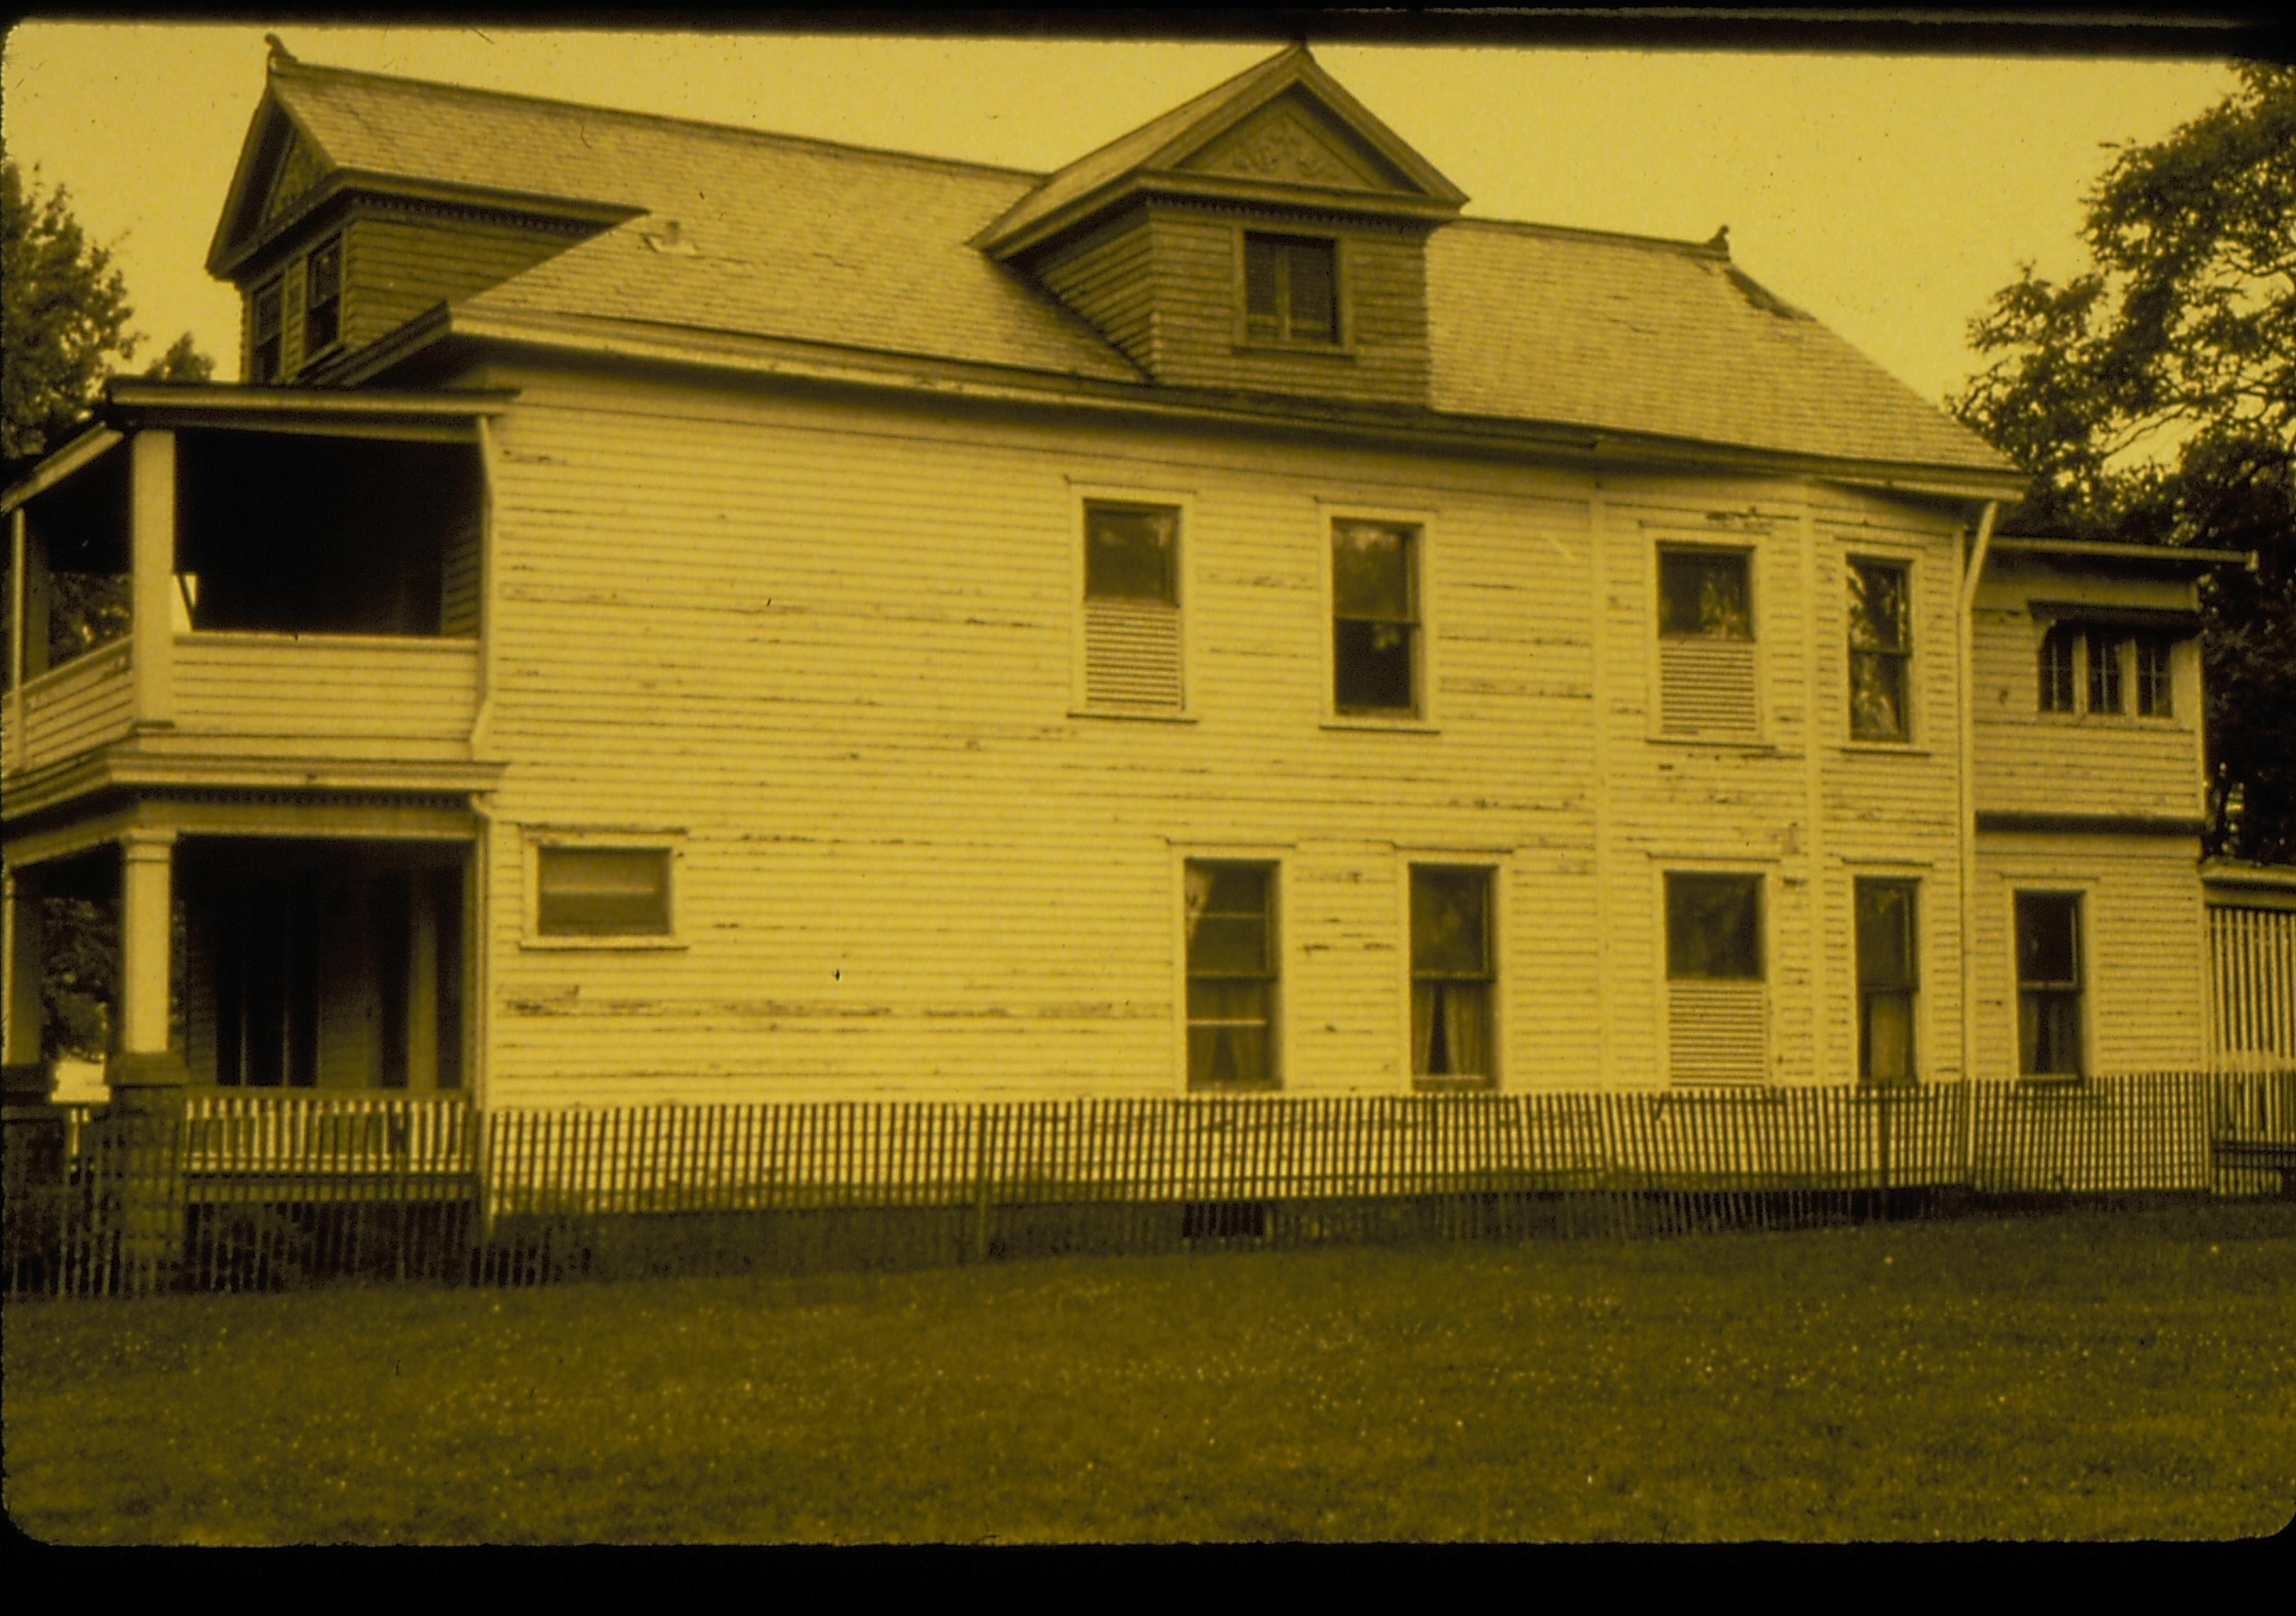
(2080, 1375)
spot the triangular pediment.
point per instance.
(1295, 140)
(279, 166)
(1283, 133)
(297, 169)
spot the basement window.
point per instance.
(1290, 288)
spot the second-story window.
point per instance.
(2059, 678)
(2104, 671)
(1290, 288)
(1880, 652)
(1706, 642)
(1375, 649)
(263, 335)
(1132, 604)
(2155, 687)
(322, 299)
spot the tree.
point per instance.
(64, 326)
(2153, 398)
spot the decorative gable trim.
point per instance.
(1285, 132)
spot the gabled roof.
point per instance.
(1328, 121)
(733, 236)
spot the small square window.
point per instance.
(1704, 593)
(1375, 631)
(602, 891)
(323, 301)
(1881, 651)
(1290, 288)
(1232, 972)
(1452, 976)
(1714, 927)
(1131, 552)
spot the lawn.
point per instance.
(2079, 1375)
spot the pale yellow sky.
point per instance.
(1888, 195)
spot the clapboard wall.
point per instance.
(824, 648)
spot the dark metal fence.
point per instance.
(247, 1191)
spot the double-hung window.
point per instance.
(1706, 642)
(323, 296)
(1888, 969)
(1716, 1007)
(263, 336)
(1232, 975)
(2104, 685)
(2049, 984)
(1454, 979)
(2155, 685)
(1880, 652)
(1376, 652)
(2060, 679)
(1290, 288)
(1132, 604)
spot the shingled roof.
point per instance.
(812, 240)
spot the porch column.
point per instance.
(152, 535)
(146, 941)
(27, 1078)
(146, 1077)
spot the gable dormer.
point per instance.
(333, 250)
(1269, 235)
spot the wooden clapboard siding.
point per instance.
(1191, 322)
(2029, 761)
(459, 572)
(397, 264)
(2144, 933)
(2251, 984)
(1107, 276)
(336, 695)
(828, 649)
(85, 703)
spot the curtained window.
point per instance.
(1231, 942)
(2048, 984)
(1374, 617)
(1452, 977)
(1887, 976)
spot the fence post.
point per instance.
(147, 1117)
(981, 1183)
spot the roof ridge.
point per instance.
(300, 70)
(1697, 249)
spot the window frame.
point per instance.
(1342, 337)
(1083, 495)
(1672, 536)
(671, 844)
(333, 305)
(2059, 670)
(1909, 988)
(2154, 675)
(1909, 726)
(2083, 981)
(273, 288)
(1421, 717)
(2108, 672)
(1492, 867)
(1270, 862)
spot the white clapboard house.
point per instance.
(677, 612)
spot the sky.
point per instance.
(1888, 195)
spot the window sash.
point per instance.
(1291, 288)
(602, 891)
(2048, 940)
(1713, 927)
(2104, 692)
(2155, 687)
(2059, 681)
(1879, 650)
(1232, 973)
(1132, 552)
(323, 296)
(1705, 594)
(1375, 630)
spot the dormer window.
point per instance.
(322, 301)
(263, 351)
(1290, 288)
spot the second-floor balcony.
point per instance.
(222, 584)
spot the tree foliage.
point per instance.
(2153, 398)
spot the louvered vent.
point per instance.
(1705, 686)
(1715, 1033)
(1132, 653)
